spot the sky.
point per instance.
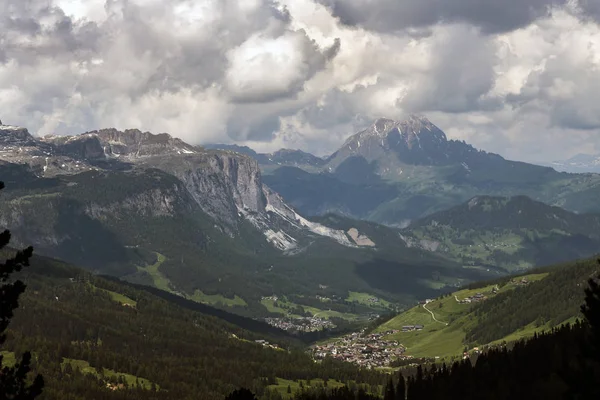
(516, 77)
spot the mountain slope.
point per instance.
(199, 223)
(423, 172)
(509, 309)
(90, 337)
(508, 233)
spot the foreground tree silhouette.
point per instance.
(13, 381)
(241, 394)
(591, 311)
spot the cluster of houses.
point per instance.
(474, 351)
(473, 299)
(410, 328)
(520, 282)
(307, 324)
(265, 343)
(370, 351)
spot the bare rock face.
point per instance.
(225, 185)
(112, 143)
(15, 135)
(222, 183)
(133, 143)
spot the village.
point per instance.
(302, 324)
(366, 350)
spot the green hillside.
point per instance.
(95, 338)
(513, 308)
(506, 234)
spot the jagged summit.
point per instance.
(130, 143)
(414, 140)
(411, 129)
(16, 135)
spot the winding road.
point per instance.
(433, 315)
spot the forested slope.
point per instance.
(508, 308)
(96, 339)
(547, 302)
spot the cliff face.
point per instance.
(225, 185)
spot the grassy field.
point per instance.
(215, 299)
(280, 307)
(363, 298)
(119, 298)
(283, 306)
(437, 339)
(8, 359)
(86, 368)
(330, 314)
(160, 281)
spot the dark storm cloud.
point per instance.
(492, 16)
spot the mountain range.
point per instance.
(394, 172)
(227, 226)
(579, 163)
(201, 223)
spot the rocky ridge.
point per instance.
(225, 185)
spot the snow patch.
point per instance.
(10, 128)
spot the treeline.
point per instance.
(555, 365)
(84, 340)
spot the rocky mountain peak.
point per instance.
(15, 135)
(414, 128)
(112, 143)
(135, 143)
(387, 146)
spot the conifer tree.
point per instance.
(401, 388)
(390, 392)
(13, 380)
(591, 311)
(241, 394)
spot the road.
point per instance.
(433, 315)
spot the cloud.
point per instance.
(520, 78)
(264, 69)
(490, 16)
